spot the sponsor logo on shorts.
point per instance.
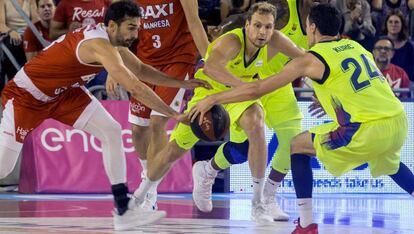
(137, 107)
(22, 132)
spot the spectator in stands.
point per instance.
(73, 14)
(32, 45)
(14, 25)
(235, 19)
(396, 76)
(395, 27)
(357, 21)
(380, 9)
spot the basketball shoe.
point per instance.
(135, 216)
(203, 186)
(310, 229)
(274, 210)
(150, 201)
(259, 213)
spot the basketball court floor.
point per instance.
(335, 213)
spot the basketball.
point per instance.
(215, 124)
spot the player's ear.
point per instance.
(112, 26)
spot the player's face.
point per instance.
(260, 29)
(310, 33)
(127, 32)
(46, 9)
(394, 24)
(383, 51)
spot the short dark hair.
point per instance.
(387, 38)
(326, 18)
(118, 11)
(263, 8)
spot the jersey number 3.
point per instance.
(371, 70)
(156, 41)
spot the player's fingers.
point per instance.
(192, 114)
(200, 120)
(323, 113)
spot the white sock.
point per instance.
(270, 188)
(144, 164)
(305, 211)
(258, 185)
(145, 186)
(210, 169)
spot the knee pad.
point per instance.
(236, 153)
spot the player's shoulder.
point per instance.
(95, 31)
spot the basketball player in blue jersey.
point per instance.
(369, 122)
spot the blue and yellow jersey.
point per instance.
(247, 72)
(352, 89)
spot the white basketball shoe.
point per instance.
(203, 185)
(135, 217)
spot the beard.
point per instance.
(125, 43)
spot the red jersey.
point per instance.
(396, 77)
(87, 13)
(164, 37)
(30, 41)
(58, 67)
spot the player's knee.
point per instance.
(112, 130)
(252, 120)
(139, 131)
(236, 153)
(171, 153)
(158, 125)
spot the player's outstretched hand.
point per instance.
(195, 83)
(183, 118)
(201, 108)
(316, 109)
(111, 87)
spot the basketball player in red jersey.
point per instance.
(51, 86)
(170, 34)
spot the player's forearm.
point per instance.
(248, 91)
(147, 73)
(199, 36)
(153, 76)
(139, 90)
(145, 95)
(220, 74)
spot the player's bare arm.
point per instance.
(282, 44)
(151, 75)
(225, 49)
(195, 26)
(307, 65)
(100, 51)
